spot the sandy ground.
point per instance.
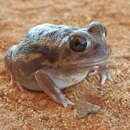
(35, 111)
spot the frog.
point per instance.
(52, 57)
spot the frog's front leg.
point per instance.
(49, 87)
(102, 71)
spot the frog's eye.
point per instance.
(78, 44)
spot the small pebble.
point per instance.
(45, 118)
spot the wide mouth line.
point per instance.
(99, 58)
(95, 61)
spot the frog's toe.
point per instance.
(67, 102)
(104, 76)
(90, 73)
(11, 79)
(20, 87)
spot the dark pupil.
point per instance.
(78, 45)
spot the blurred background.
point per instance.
(17, 16)
(28, 110)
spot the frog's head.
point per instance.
(85, 47)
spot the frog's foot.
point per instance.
(49, 87)
(102, 71)
(65, 101)
(11, 80)
(20, 87)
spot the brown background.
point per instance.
(29, 110)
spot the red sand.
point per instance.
(34, 111)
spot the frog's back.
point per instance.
(48, 33)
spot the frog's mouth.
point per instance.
(98, 57)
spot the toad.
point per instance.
(53, 57)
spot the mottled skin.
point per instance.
(44, 60)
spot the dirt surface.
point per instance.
(35, 111)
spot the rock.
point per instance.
(84, 109)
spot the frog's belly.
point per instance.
(63, 81)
